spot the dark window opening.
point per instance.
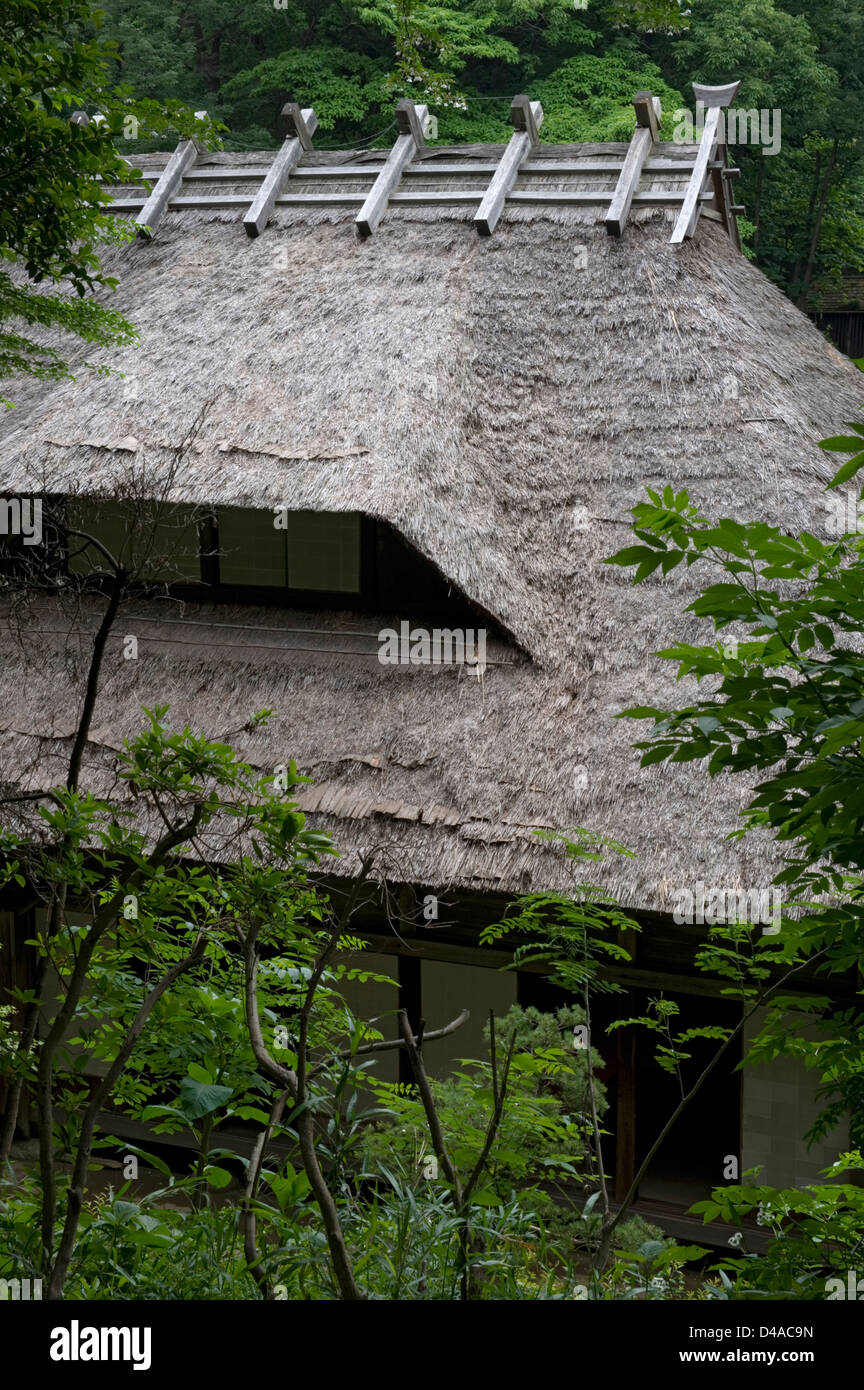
(32, 544)
(334, 560)
(641, 1096)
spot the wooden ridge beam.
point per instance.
(527, 117)
(661, 164)
(252, 173)
(301, 127)
(649, 198)
(428, 168)
(714, 99)
(413, 122)
(648, 111)
(429, 198)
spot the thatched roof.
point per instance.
(503, 409)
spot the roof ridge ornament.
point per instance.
(714, 99)
(181, 161)
(647, 132)
(414, 123)
(301, 125)
(527, 118)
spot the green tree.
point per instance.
(546, 1127)
(805, 62)
(464, 58)
(590, 97)
(783, 704)
(55, 175)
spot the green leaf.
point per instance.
(200, 1074)
(216, 1176)
(682, 1254)
(486, 1198)
(290, 1189)
(152, 1160)
(848, 470)
(655, 755)
(250, 1112)
(197, 1099)
(157, 1112)
(633, 555)
(841, 443)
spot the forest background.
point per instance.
(242, 59)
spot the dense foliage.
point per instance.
(781, 699)
(55, 177)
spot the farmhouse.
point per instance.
(457, 369)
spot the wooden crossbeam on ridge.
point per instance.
(527, 117)
(413, 122)
(648, 111)
(301, 127)
(169, 181)
(714, 99)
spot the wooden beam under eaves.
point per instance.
(301, 127)
(413, 122)
(527, 118)
(167, 184)
(647, 130)
(714, 99)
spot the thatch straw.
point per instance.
(503, 409)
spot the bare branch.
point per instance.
(492, 1127)
(429, 1107)
(390, 1044)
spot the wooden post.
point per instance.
(647, 130)
(714, 99)
(625, 1126)
(413, 122)
(18, 970)
(721, 176)
(409, 978)
(169, 181)
(527, 118)
(301, 127)
(8, 978)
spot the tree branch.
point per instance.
(78, 1180)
